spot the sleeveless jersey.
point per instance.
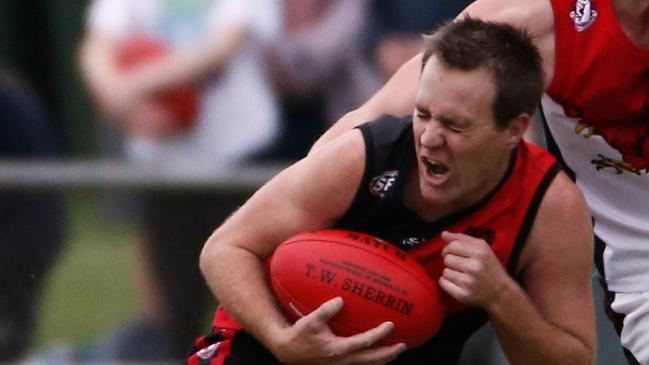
(596, 112)
(503, 218)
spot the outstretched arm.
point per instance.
(396, 97)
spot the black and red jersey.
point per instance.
(503, 218)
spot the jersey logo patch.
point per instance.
(209, 351)
(381, 184)
(411, 242)
(602, 162)
(584, 15)
(630, 138)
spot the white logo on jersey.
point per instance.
(209, 351)
(412, 241)
(583, 16)
(383, 183)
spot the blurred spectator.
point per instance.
(31, 222)
(395, 29)
(318, 69)
(183, 82)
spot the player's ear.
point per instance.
(516, 128)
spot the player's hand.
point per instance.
(472, 274)
(310, 342)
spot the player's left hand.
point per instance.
(472, 274)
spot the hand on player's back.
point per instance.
(310, 342)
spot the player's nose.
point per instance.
(432, 136)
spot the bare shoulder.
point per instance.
(555, 265)
(563, 225)
(309, 195)
(323, 184)
(327, 179)
(564, 204)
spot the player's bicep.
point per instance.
(557, 262)
(309, 195)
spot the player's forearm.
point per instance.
(191, 65)
(98, 70)
(527, 338)
(237, 278)
(396, 97)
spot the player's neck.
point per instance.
(633, 16)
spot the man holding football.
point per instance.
(595, 113)
(459, 166)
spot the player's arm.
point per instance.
(193, 64)
(310, 195)
(555, 271)
(99, 71)
(180, 67)
(397, 96)
(548, 318)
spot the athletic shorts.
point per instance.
(633, 311)
(629, 313)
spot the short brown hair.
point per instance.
(507, 52)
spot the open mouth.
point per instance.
(435, 171)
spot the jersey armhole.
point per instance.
(360, 195)
(530, 216)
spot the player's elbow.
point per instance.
(209, 253)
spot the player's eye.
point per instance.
(422, 114)
(453, 125)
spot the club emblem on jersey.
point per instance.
(209, 351)
(602, 162)
(584, 15)
(630, 138)
(411, 242)
(381, 184)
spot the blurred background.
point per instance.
(131, 129)
(38, 41)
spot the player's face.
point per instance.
(461, 154)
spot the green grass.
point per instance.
(91, 287)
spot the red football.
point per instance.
(377, 281)
(183, 102)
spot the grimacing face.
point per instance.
(461, 155)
